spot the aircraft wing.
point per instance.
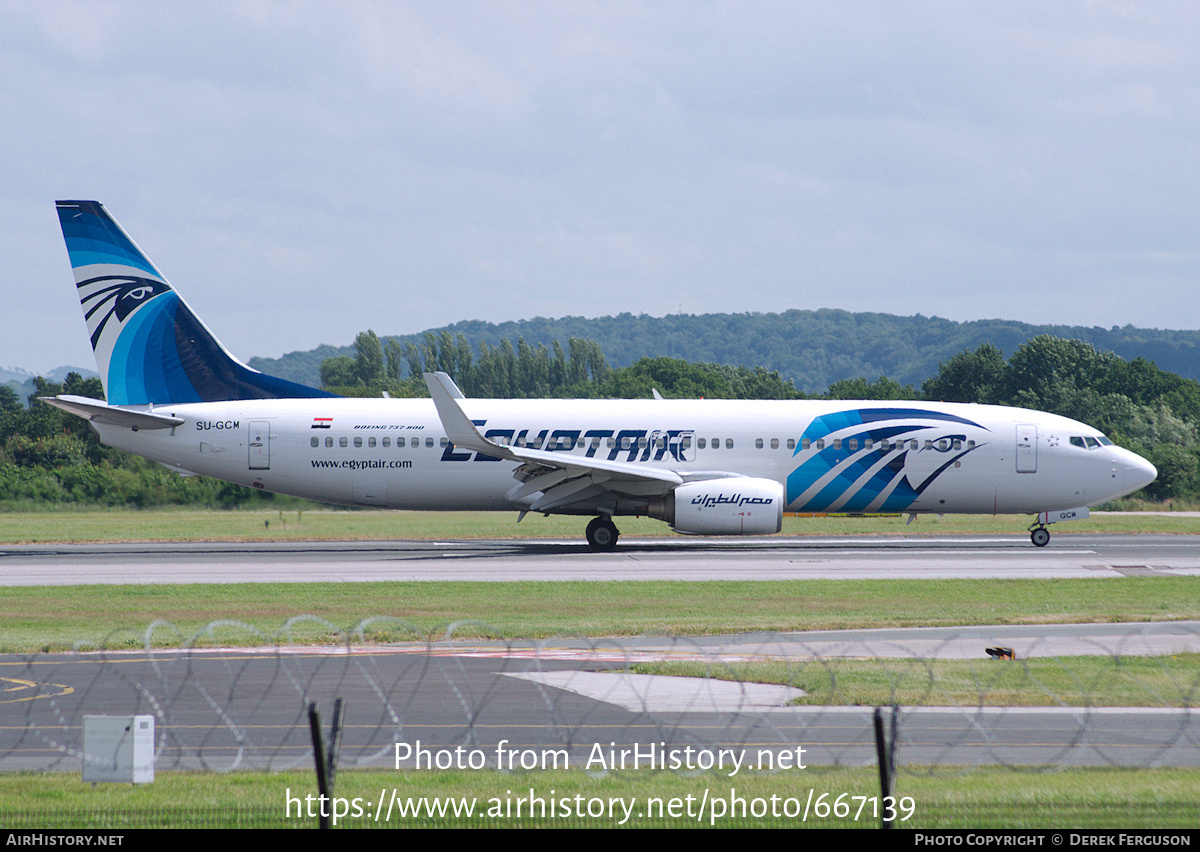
(561, 477)
(102, 412)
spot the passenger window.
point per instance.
(329, 442)
(791, 443)
(370, 442)
(837, 443)
(315, 442)
(958, 443)
(342, 442)
(399, 442)
(701, 443)
(729, 443)
(852, 443)
(429, 443)
(868, 444)
(357, 441)
(774, 443)
(805, 443)
(387, 442)
(820, 443)
(758, 444)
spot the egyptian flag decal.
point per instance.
(322, 422)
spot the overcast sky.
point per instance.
(303, 171)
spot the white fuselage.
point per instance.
(849, 456)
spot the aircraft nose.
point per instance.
(1138, 472)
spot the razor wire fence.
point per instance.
(231, 698)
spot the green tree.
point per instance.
(1178, 468)
(881, 388)
(368, 358)
(979, 376)
(338, 372)
(9, 399)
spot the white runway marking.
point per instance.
(663, 694)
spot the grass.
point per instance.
(1100, 681)
(984, 798)
(45, 618)
(70, 526)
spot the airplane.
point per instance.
(176, 396)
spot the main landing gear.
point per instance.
(602, 533)
(1040, 536)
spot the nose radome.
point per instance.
(1138, 473)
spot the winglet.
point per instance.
(459, 429)
(461, 432)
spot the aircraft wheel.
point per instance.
(602, 534)
(1040, 537)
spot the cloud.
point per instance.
(303, 171)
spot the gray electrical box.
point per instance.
(118, 748)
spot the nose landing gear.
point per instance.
(602, 533)
(1040, 536)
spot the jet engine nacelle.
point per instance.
(739, 505)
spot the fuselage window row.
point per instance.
(373, 442)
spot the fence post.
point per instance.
(326, 766)
(885, 752)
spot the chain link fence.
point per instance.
(229, 699)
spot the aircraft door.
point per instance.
(260, 445)
(1026, 448)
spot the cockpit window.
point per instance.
(1089, 442)
(1104, 441)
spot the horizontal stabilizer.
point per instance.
(101, 412)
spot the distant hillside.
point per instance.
(812, 348)
(21, 380)
(21, 375)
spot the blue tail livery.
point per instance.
(149, 346)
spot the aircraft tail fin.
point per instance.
(150, 347)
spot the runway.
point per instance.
(672, 558)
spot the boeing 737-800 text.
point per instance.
(706, 467)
